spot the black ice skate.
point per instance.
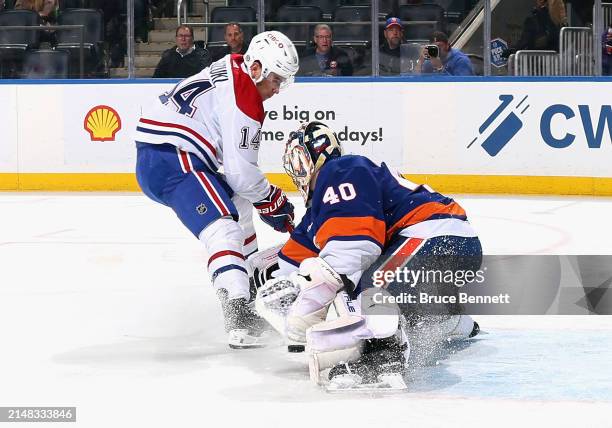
(380, 367)
(244, 327)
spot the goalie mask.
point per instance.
(306, 152)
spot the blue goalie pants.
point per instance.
(425, 275)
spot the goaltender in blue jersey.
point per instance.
(361, 218)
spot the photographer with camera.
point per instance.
(439, 58)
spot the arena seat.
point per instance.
(46, 64)
(14, 43)
(327, 6)
(423, 12)
(93, 38)
(352, 35)
(270, 6)
(386, 8)
(301, 35)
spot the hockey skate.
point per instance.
(244, 327)
(379, 369)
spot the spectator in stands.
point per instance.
(390, 49)
(184, 59)
(541, 28)
(447, 60)
(234, 37)
(325, 59)
(46, 8)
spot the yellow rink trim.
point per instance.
(488, 184)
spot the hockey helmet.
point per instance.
(276, 54)
(306, 152)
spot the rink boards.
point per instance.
(519, 135)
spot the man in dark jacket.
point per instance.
(234, 39)
(390, 49)
(183, 60)
(325, 59)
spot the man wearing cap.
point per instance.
(390, 49)
(445, 60)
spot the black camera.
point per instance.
(432, 51)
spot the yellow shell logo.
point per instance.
(102, 123)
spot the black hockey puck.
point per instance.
(295, 348)
(475, 330)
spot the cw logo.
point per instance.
(506, 130)
(557, 137)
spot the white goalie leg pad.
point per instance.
(379, 326)
(331, 342)
(319, 284)
(226, 265)
(245, 220)
(341, 339)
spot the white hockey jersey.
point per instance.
(217, 115)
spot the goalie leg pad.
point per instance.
(319, 284)
(331, 342)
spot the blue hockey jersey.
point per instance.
(357, 207)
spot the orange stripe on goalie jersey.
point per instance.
(296, 251)
(423, 212)
(351, 226)
(401, 257)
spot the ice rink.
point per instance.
(105, 305)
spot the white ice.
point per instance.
(105, 305)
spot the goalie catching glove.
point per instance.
(275, 210)
(301, 299)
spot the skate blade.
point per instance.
(388, 384)
(241, 339)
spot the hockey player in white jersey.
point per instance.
(197, 153)
(362, 220)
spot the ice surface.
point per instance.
(105, 305)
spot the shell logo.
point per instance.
(102, 123)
